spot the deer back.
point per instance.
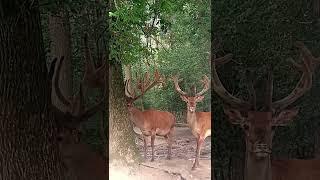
(296, 169)
(159, 119)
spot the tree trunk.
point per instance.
(28, 148)
(59, 33)
(121, 136)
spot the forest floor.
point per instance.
(179, 167)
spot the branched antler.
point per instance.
(76, 111)
(205, 81)
(305, 82)
(144, 84)
(221, 90)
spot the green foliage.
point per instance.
(183, 34)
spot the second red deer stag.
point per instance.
(199, 122)
(150, 122)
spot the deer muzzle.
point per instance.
(192, 109)
(261, 150)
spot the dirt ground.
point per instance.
(179, 167)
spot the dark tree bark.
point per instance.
(121, 136)
(28, 148)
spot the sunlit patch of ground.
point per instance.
(176, 169)
(179, 167)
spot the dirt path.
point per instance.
(183, 154)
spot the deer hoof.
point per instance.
(193, 168)
(195, 165)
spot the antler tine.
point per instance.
(221, 60)
(224, 94)
(306, 54)
(58, 92)
(295, 64)
(304, 84)
(145, 82)
(155, 81)
(205, 82)
(51, 68)
(176, 81)
(127, 91)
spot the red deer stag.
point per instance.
(258, 123)
(80, 159)
(199, 122)
(151, 122)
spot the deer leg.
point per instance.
(153, 136)
(169, 145)
(145, 146)
(200, 140)
(169, 139)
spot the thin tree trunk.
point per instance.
(121, 136)
(59, 32)
(28, 148)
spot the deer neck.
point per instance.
(136, 116)
(191, 117)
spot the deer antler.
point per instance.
(144, 85)
(306, 54)
(221, 90)
(127, 89)
(76, 111)
(305, 82)
(176, 81)
(58, 92)
(205, 82)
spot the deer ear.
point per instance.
(199, 98)
(184, 98)
(285, 117)
(234, 115)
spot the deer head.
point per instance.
(193, 99)
(259, 125)
(143, 84)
